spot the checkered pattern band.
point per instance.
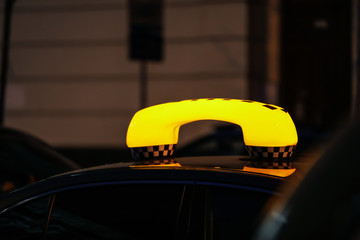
(153, 151)
(271, 152)
(157, 162)
(270, 164)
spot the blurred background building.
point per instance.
(71, 81)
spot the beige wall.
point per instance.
(72, 84)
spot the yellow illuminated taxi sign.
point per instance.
(262, 124)
(269, 133)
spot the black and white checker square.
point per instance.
(153, 151)
(271, 152)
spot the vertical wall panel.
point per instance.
(72, 84)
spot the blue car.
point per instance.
(156, 195)
(193, 199)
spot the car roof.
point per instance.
(223, 170)
(230, 164)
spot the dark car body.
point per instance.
(196, 198)
(25, 158)
(159, 197)
(326, 202)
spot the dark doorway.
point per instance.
(316, 61)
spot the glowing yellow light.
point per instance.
(262, 124)
(156, 165)
(273, 172)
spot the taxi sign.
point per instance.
(268, 130)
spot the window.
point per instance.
(25, 221)
(133, 211)
(233, 213)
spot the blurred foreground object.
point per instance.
(326, 204)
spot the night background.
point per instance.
(79, 69)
